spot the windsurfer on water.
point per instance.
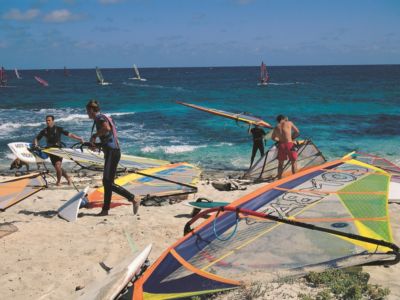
(107, 133)
(284, 133)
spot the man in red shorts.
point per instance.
(284, 133)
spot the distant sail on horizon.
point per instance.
(100, 78)
(66, 72)
(17, 74)
(3, 77)
(41, 81)
(138, 77)
(264, 76)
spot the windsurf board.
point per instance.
(21, 151)
(69, 210)
(110, 287)
(206, 205)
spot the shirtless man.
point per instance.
(284, 133)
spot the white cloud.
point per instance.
(60, 16)
(17, 15)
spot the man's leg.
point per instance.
(280, 168)
(294, 166)
(66, 176)
(253, 154)
(57, 167)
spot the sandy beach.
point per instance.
(49, 258)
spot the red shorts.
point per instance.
(285, 151)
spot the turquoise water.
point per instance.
(342, 108)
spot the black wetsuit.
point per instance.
(258, 143)
(112, 155)
(53, 139)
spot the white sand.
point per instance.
(47, 258)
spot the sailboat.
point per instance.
(135, 69)
(17, 73)
(41, 81)
(66, 72)
(100, 78)
(264, 76)
(3, 77)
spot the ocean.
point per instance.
(341, 108)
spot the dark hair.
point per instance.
(93, 104)
(50, 116)
(280, 118)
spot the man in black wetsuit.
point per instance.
(258, 141)
(52, 133)
(107, 133)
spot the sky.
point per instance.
(197, 33)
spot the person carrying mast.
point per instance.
(53, 133)
(106, 132)
(258, 141)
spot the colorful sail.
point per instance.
(264, 76)
(239, 117)
(3, 77)
(266, 168)
(330, 216)
(41, 81)
(17, 74)
(92, 159)
(168, 180)
(15, 190)
(379, 162)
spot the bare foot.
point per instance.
(58, 183)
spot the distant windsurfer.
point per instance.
(53, 133)
(107, 133)
(284, 133)
(258, 142)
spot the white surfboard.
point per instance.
(69, 210)
(110, 287)
(394, 191)
(20, 150)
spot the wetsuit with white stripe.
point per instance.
(112, 155)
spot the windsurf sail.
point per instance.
(379, 162)
(3, 77)
(329, 216)
(264, 76)
(137, 74)
(266, 168)
(41, 81)
(95, 159)
(100, 77)
(15, 190)
(17, 74)
(66, 72)
(238, 117)
(168, 180)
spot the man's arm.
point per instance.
(295, 131)
(38, 137)
(274, 136)
(104, 129)
(75, 137)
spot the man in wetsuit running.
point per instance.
(52, 133)
(107, 133)
(258, 142)
(284, 133)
